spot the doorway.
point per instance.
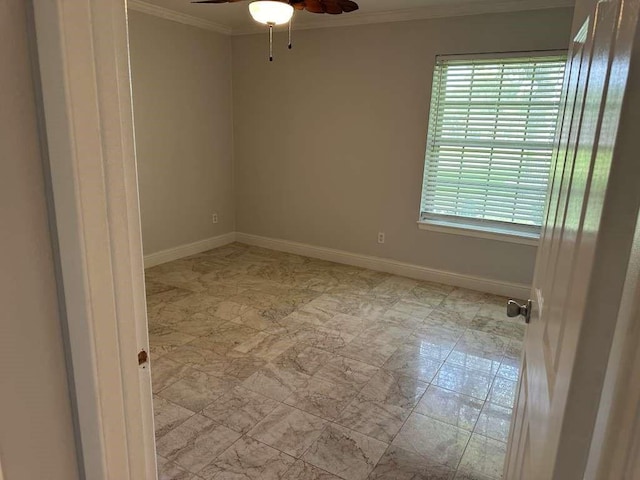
(91, 138)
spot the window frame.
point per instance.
(480, 228)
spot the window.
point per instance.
(490, 141)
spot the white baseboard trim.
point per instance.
(496, 287)
(182, 251)
(395, 267)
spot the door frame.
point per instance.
(615, 442)
(88, 117)
(83, 61)
(616, 439)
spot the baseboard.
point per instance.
(496, 287)
(182, 251)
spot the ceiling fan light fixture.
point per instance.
(271, 12)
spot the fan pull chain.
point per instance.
(290, 44)
(270, 42)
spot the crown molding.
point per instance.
(421, 13)
(167, 14)
(328, 21)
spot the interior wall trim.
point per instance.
(420, 13)
(388, 265)
(497, 287)
(188, 249)
(328, 21)
(168, 14)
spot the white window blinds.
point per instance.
(490, 141)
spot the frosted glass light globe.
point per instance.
(271, 12)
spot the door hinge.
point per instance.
(143, 357)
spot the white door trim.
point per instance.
(84, 67)
(616, 439)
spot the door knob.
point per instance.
(514, 309)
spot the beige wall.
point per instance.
(330, 138)
(36, 432)
(182, 107)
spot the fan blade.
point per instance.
(348, 6)
(313, 6)
(216, 1)
(333, 7)
(297, 4)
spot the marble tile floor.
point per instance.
(273, 366)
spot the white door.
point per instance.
(579, 273)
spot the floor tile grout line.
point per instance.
(243, 436)
(466, 443)
(327, 423)
(193, 414)
(200, 412)
(301, 460)
(441, 363)
(413, 410)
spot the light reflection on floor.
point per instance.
(268, 365)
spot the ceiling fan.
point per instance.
(279, 12)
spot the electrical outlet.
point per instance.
(214, 218)
(380, 237)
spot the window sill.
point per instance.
(491, 233)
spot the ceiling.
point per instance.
(234, 17)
